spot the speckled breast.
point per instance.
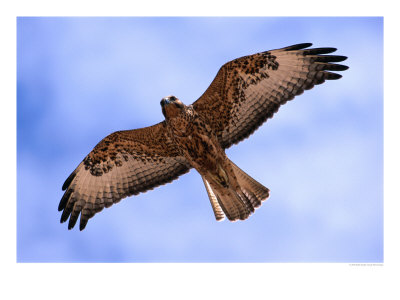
(197, 141)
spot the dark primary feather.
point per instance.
(249, 90)
(297, 46)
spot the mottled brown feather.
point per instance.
(249, 90)
(124, 163)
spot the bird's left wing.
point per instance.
(249, 90)
(124, 163)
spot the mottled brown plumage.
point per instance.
(244, 94)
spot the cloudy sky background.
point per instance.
(321, 156)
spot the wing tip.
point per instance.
(329, 58)
(321, 50)
(340, 67)
(332, 76)
(64, 217)
(297, 46)
(68, 181)
(72, 222)
(83, 223)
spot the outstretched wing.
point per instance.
(124, 163)
(249, 90)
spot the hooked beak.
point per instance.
(164, 102)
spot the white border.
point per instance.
(197, 281)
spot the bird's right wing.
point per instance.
(124, 163)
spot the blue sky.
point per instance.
(79, 79)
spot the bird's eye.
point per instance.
(172, 98)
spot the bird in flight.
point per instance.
(243, 95)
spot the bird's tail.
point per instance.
(236, 204)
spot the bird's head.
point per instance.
(171, 106)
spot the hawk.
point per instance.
(243, 95)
